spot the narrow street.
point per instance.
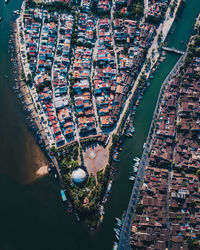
(39, 43)
(113, 40)
(167, 207)
(52, 68)
(76, 136)
(146, 5)
(94, 56)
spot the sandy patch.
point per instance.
(42, 170)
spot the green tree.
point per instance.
(125, 49)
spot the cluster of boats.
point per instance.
(161, 59)
(101, 211)
(116, 152)
(101, 208)
(117, 229)
(130, 132)
(107, 193)
(133, 172)
(142, 93)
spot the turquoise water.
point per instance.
(32, 215)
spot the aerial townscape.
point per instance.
(80, 64)
(171, 181)
(82, 70)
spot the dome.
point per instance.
(78, 175)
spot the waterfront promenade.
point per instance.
(124, 243)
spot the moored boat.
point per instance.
(117, 231)
(77, 217)
(136, 159)
(101, 219)
(131, 178)
(115, 246)
(109, 187)
(16, 12)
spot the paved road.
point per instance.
(146, 5)
(112, 34)
(167, 207)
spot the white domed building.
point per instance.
(78, 176)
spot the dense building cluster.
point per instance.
(178, 127)
(81, 66)
(104, 5)
(60, 76)
(149, 228)
(156, 9)
(81, 74)
(138, 37)
(104, 80)
(47, 46)
(169, 207)
(184, 211)
(163, 143)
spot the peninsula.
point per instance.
(84, 69)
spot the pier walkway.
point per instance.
(124, 242)
(173, 50)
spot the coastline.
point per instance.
(42, 161)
